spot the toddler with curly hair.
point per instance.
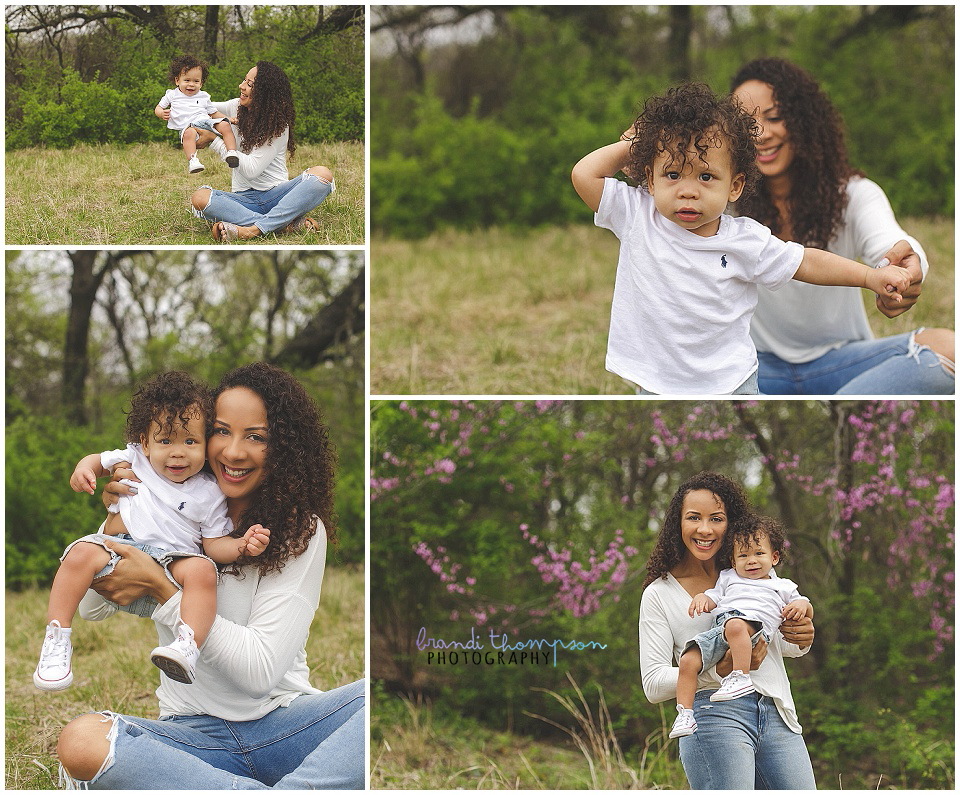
(177, 514)
(188, 109)
(687, 276)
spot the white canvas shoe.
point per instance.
(735, 685)
(685, 724)
(54, 671)
(194, 166)
(178, 660)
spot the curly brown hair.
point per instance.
(753, 528)
(692, 115)
(300, 468)
(271, 111)
(165, 399)
(184, 63)
(669, 550)
(820, 168)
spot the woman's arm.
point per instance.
(254, 657)
(136, 575)
(588, 175)
(658, 674)
(798, 636)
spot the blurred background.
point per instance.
(478, 114)
(535, 519)
(83, 329)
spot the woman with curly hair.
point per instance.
(688, 274)
(263, 199)
(251, 719)
(817, 339)
(750, 742)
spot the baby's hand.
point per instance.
(795, 611)
(83, 479)
(255, 541)
(701, 604)
(891, 279)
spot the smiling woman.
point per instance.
(754, 738)
(271, 454)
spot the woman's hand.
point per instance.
(115, 489)
(798, 632)
(725, 666)
(136, 575)
(902, 254)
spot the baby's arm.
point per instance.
(84, 477)
(589, 173)
(227, 549)
(701, 604)
(822, 267)
(797, 610)
(162, 111)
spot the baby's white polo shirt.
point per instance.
(682, 303)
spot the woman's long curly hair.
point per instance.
(300, 467)
(166, 399)
(271, 111)
(692, 115)
(670, 550)
(820, 169)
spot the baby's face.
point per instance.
(754, 559)
(190, 81)
(180, 452)
(695, 194)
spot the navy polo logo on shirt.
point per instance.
(723, 261)
(181, 506)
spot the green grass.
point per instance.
(497, 312)
(417, 746)
(140, 194)
(113, 671)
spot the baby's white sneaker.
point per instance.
(735, 685)
(178, 660)
(54, 671)
(685, 724)
(194, 166)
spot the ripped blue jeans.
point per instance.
(268, 210)
(317, 742)
(896, 365)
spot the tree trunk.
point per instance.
(678, 46)
(211, 28)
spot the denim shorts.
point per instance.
(203, 124)
(144, 606)
(712, 643)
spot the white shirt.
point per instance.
(185, 110)
(682, 303)
(254, 659)
(265, 166)
(168, 515)
(665, 628)
(759, 600)
(802, 322)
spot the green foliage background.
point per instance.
(874, 697)
(113, 75)
(491, 134)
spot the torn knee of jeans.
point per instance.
(69, 782)
(200, 213)
(324, 180)
(915, 348)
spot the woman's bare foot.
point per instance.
(225, 232)
(301, 224)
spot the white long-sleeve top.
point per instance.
(665, 628)
(801, 322)
(265, 166)
(254, 659)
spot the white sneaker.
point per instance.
(733, 686)
(232, 158)
(179, 659)
(194, 166)
(54, 671)
(685, 724)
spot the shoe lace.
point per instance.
(56, 651)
